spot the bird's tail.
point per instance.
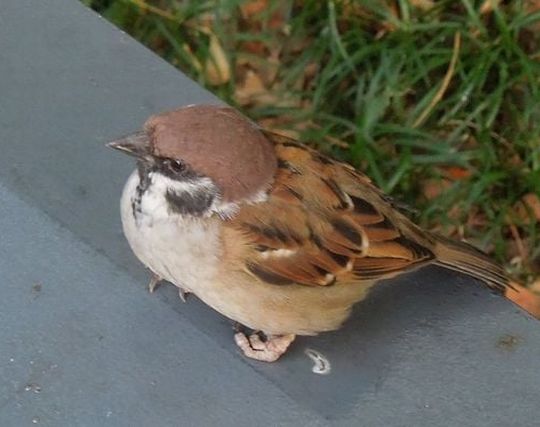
(462, 257)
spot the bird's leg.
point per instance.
(154, 282)
(266, 351)
(183, 294)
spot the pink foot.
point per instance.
(265, 351)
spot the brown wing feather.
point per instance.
(324, 221)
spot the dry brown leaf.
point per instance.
(311, 70)
(251, 87)
(353, 7)
(476, 218)
(527, 299)
(423, 4)
(535, 286)
(249, 10)
(253, 7)
(488, 6)
(267, 67)
(252, 91)
(433, 187)
(523, 253)
(527, 209)
(455, 173)
(218, 69)
(515, 160)
(278, 22)
(532, 6)
(254, 47)
(455, 214)
(532, 201)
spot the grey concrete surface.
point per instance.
(83, 344)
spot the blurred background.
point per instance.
(437, 101)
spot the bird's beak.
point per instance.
(137, 144)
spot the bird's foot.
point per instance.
(266, 351)
(154, 283)
(183, 294)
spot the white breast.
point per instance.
(181, 250)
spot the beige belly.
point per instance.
(188, 253)
(276, 309)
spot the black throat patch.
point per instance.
(144, 182)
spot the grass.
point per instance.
(437, 101)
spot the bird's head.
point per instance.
(204, 158)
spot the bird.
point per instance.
(271, 233)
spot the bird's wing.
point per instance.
(323, 221)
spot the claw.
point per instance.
(154, 283)
(266, 351)
(183, 294)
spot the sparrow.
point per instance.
(269, 232)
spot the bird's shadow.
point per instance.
(398, 319)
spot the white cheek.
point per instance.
(155, 206)
(161, 184)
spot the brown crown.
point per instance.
(217, 142)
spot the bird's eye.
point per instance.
(176, 166)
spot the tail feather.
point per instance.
(462, 257)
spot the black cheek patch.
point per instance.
(186, 203)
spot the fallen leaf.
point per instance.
(532, 201)
(535, 286)
(456, 173)
(423, 4)
(527, 209)
(524, 297)
(278, 20)
(254, 47)
(488, 6)
(250, 8)
(251, 87)
(218, 69)
(433, 187)
(532, 6)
